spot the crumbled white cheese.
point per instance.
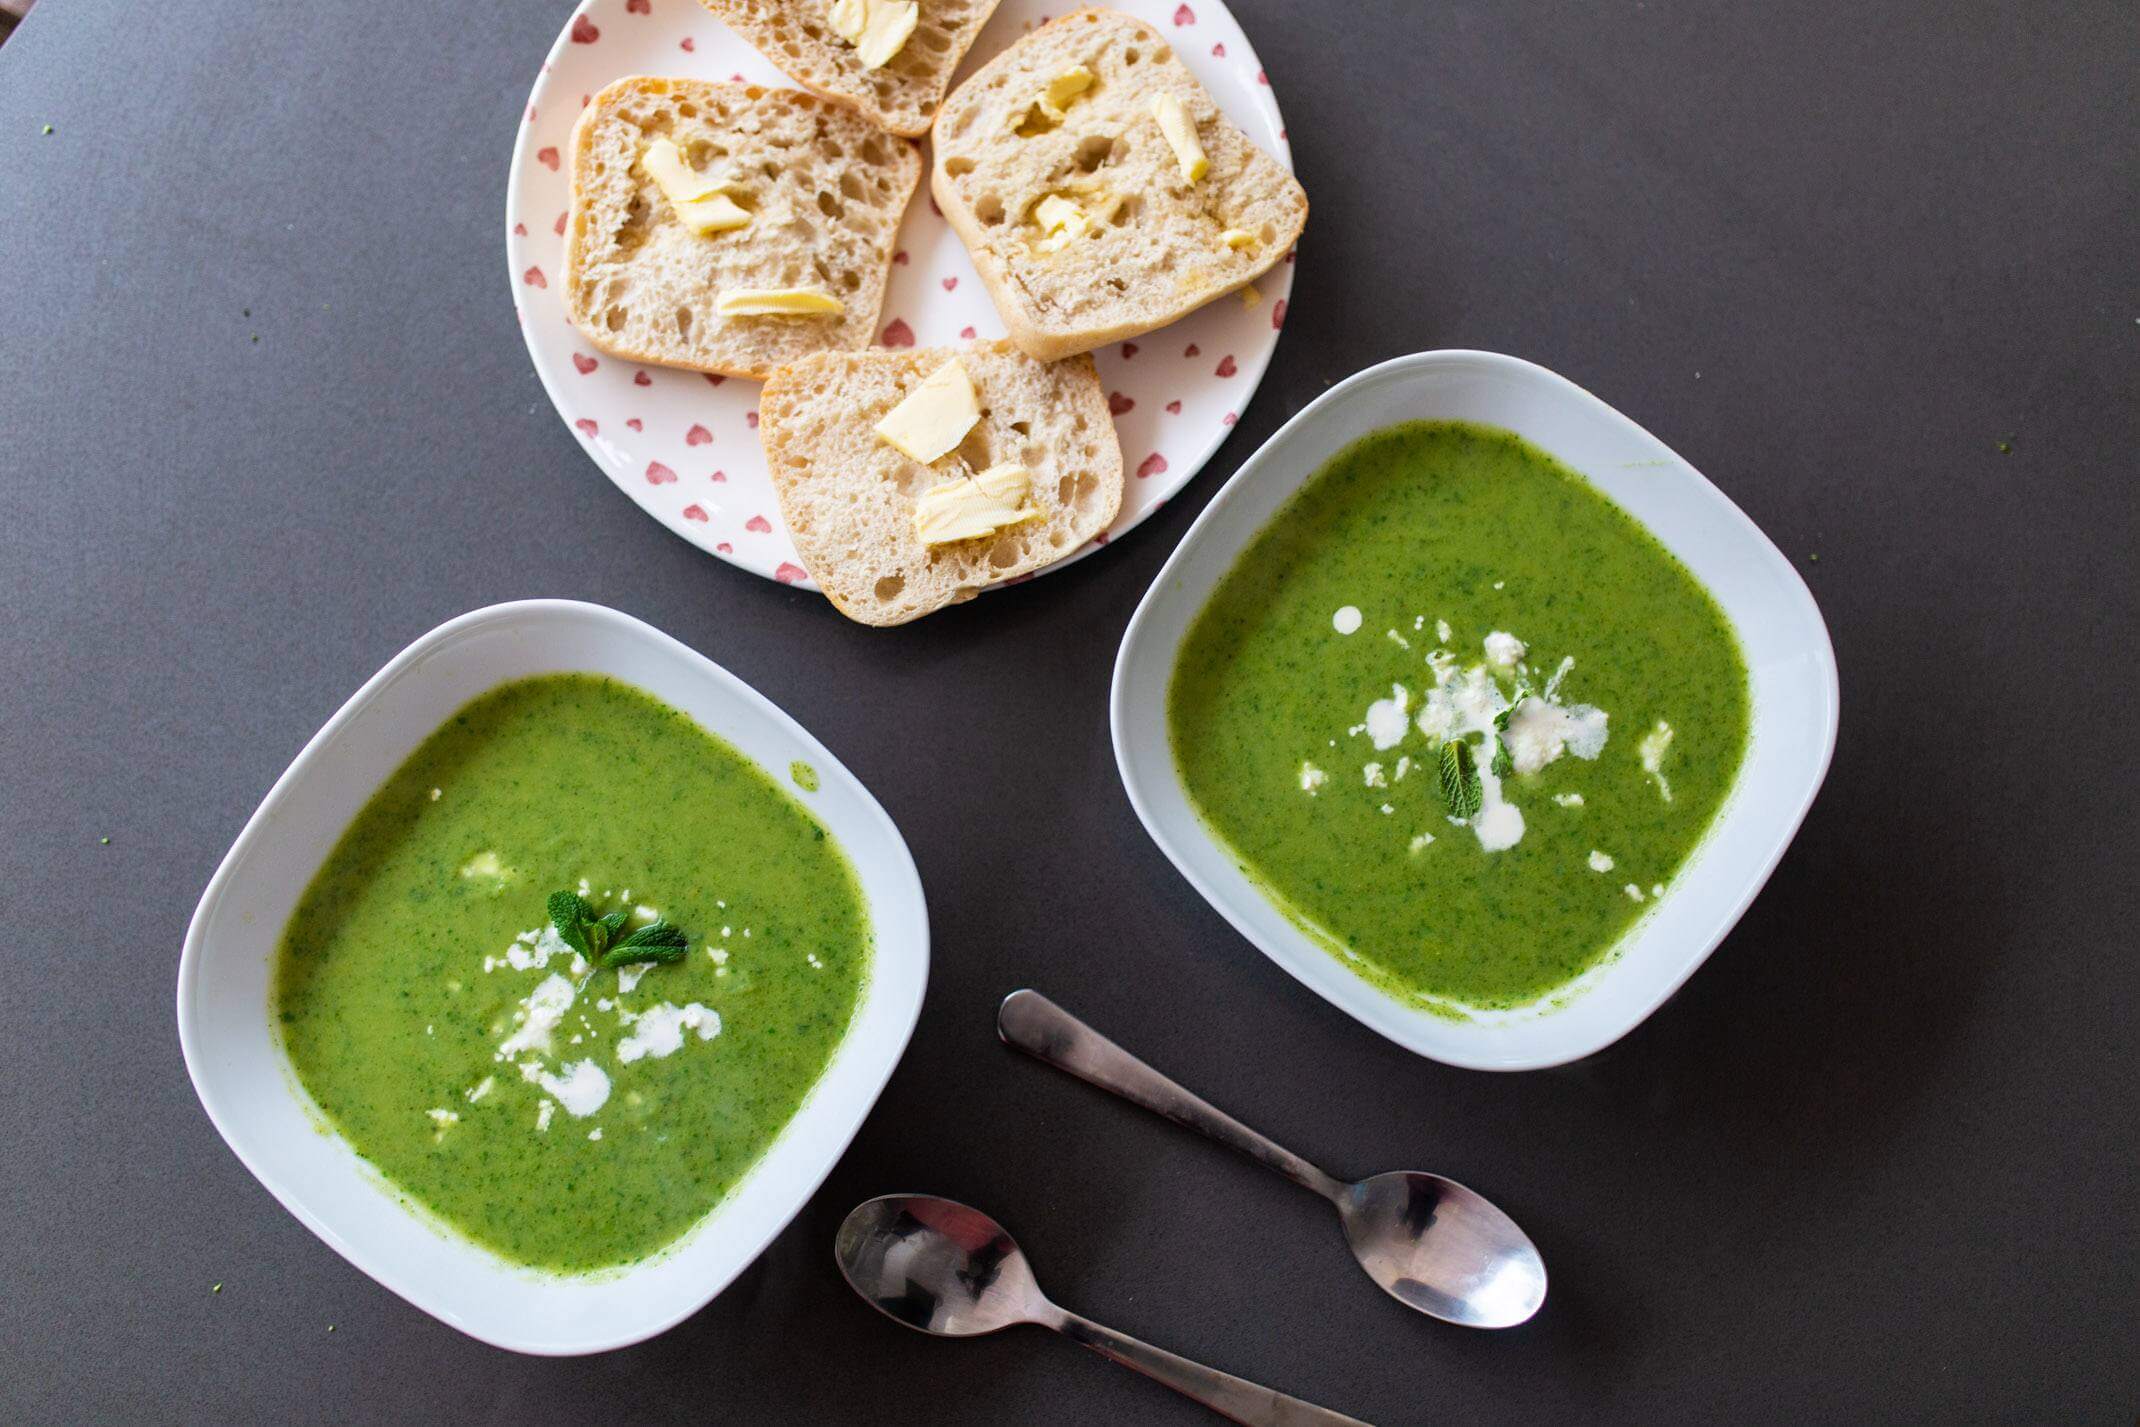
(1388, 808)
(1311, 778)
(628, 977)
(595, 1133)
(1442, 631)
(1599, 862)
(484, 865)
(1372, 775)
(1568, 800)
(1421, 842)
(543, 1112)
(482, 1088)
(1404, 766)
(1503, 649)
(1539, 732)
(443, 1118)
(1346, 620)
(437, 793)
(539, 1014)
(1633, 891)
(532, 949)
(1399, 640)
(659, 1030)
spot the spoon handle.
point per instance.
(1045, 1031)
(1223, 1393)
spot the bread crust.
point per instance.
(903, 96)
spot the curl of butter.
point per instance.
(878, 29)
(778, 302)
(699, 201)
(935, 416)
(974, 505)
(1180, 129)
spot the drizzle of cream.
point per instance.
(1652, 750)
(582, 1089)
(1385, 718)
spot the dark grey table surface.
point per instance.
(1875, 1163)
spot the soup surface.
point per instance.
(564, 1113)
(1459, 715)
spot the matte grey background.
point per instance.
(1875, 1163)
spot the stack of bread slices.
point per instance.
(747, 231)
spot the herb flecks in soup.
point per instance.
(571, 1078)
(1459, 715)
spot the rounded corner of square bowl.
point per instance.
(391, 1239)
(1796, 740)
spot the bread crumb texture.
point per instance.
(1159, 246)
(848, 496)
(903, 96)
(825, 190)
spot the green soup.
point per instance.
(566, 1115)
(1459, 715)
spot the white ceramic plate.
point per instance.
(244, 1079)
(685, 446)
(1788, 656)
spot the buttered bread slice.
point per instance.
(1100, 190)
(728, 227)
(890, 59)
(911, 480)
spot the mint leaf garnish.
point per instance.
(1459, 779)
(1504, 766)
(658, 942)
(570, 914)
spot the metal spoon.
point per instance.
(1430, 1242)
(937, 1265)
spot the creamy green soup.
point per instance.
(564, 1114)
(1459, 715)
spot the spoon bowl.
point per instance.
(1438, 1247)
(937, 1266)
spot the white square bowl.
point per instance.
(1788, 656)
(245, 1080)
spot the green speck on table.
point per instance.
(2006, 448)
(104, 842)
(47, 129)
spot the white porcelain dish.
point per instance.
(244, 1078)
(1788, 655)
(685, 446)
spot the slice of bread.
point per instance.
(848, 497)
(825, 190)
(903, 95)
(1161, 253)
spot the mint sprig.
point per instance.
(603, 940)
